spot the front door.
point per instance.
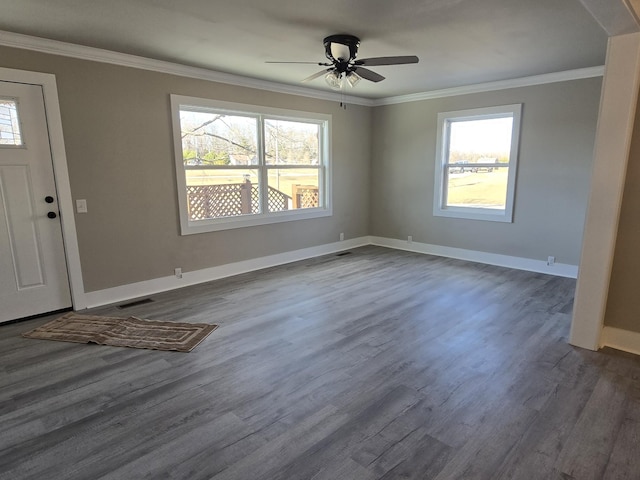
(33, 270)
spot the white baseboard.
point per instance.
(163, 284)
(620, 339)
(518, 263)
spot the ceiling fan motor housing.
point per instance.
(331, 49)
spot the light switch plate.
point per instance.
(81, 206)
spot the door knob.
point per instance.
(52, 215)
(48, 199)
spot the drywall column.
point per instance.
(613, 139)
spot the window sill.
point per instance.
(229, 223)
(486, 214)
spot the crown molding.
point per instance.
(54, 47)
(615, 17)
(634, 9)
(567, 75)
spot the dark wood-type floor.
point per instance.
(379, 364)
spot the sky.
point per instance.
(488, 135)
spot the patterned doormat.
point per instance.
(123, 332)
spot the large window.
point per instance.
(476, 159)
(240, 165)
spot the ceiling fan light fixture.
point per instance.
(353, 78)
(334, 79)
(340, 52)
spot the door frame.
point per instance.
(60, 173)
(611, 155)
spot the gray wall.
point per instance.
(117, 130)
(623, 302)
(556, 151)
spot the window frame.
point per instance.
(261, 113)
(445, 119)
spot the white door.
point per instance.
(33, 270)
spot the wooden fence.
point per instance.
(228, 200)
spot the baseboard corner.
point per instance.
(620, 339)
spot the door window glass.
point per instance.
(9, 124)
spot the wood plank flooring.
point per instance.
(378, 364)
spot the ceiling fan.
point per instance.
(342, 50)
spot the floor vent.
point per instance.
(342, 254)
(136, 303)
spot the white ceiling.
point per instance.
(459, 42)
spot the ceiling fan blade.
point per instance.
(372, 62)
(315, 75)
(307, 63)
(368, 74)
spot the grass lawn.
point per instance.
(478, 189)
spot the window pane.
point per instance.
(480, 141)
(218, 193)
(293, 188)
(478, 162)
(291, 143)
(217, 139)
(239, 165)
(477, 187)
(9, 124)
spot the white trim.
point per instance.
(611, 154)
(54, 47)
(620, 339)
(517, 263)
(615, 18)
(228, 223)
(633, 6)
(564, 76)
(162, 284)
(61, 173)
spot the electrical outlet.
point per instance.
(410, 239)
(178, 272)
(551, 260)
(341, 236)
